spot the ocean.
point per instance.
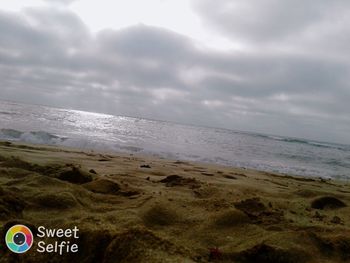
(86, 130)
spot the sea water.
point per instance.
(86, 130)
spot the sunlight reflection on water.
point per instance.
(117, 133)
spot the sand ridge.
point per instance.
(142, 209)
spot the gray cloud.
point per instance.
(270, 20)
(48, 56)
(60, 2)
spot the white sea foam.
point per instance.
(36, 137)
(78, 129)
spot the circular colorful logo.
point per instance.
(19, 239)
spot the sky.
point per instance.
(269, 66)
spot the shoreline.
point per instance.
(157, 156)
(146, 209)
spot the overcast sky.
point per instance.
(271, 66)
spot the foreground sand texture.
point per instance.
(141, 209)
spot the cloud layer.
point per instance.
(291, 79)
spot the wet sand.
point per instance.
(141, 209)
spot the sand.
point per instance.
(132, 208)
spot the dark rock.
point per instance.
(75, 175)
(130, 193)
(207, 174)
(230, 177)
(327, 202)
(171, 178)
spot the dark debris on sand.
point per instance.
(176, 180)
(263, 253)
(258, 212)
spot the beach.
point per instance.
(138, 208)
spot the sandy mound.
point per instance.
(231, 218)
(103, 186)
(94, 243)
(69, 173)
(252, 207)
(333, 247)
(160, 215)
(307, 193)
(56, 201)
(108, 187)
(11, 204)
(141, 245)
(15, 162)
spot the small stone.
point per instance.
(336, 220)
(318, 216)
(92, 171)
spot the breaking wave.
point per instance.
(42, 137)
(302, 141)
(37, 137)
